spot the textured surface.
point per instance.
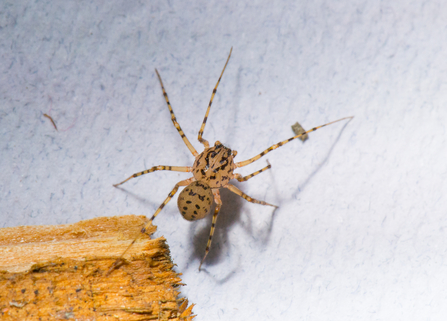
(67, 273)
(361, 228)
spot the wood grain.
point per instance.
(60, 272)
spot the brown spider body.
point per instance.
(194, 202)
(215, 166)
(213, 169)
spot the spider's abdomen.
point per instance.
(215, 165)
(194, 202)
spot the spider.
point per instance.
(212, 169)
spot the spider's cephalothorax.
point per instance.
(215, 165)
(212, 169)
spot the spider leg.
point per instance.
(237, 191)
(174, 120)
(246, 178)
(143, 230)
(158, 168)
(213, 224)
(273, 147)
(202, 128)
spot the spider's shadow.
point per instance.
(229, 215)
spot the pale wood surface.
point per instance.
(60, 272)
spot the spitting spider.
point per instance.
(212, 169)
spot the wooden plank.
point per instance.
(60, 272)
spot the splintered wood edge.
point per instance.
(106, 237)
(45, 265)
